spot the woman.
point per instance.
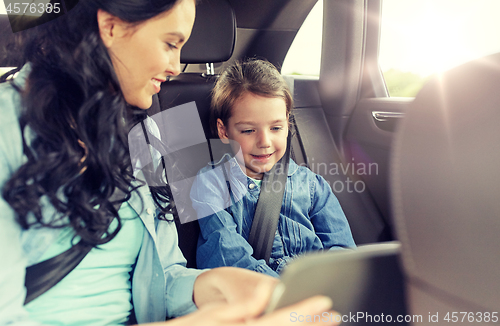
(64, 157)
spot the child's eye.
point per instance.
(276, 128)
(248, 131)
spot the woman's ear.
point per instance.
(107, 27)
(222, 131)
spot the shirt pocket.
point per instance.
(278, 246)
(292, 236)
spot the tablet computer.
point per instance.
(365, 284)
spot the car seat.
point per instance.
(314, 147)
(446, 196)
(212, 41)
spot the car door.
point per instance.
(354, 96)
(376, 55)
(337, 127)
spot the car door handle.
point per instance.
(385, 116)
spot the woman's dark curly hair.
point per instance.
(73, 104)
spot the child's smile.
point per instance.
(260, 126)
(263, 157)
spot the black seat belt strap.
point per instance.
(267, 212)
(43, 276)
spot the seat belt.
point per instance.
(43, 276)
(267, 212)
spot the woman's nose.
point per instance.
(174, 66)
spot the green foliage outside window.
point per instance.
(403, 84)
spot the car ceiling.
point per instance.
(265, 29)
(276, 14)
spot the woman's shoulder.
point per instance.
(10, 129)
(10, 98)
(10, 101)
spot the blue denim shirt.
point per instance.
(161, 285)
(310, 219)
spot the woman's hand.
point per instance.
(249, 313)
(229, 285)
(230, 296)
(235, 296)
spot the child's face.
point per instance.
(260, 126)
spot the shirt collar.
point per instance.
(22, 75)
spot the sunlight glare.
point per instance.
(426, 37)
(434, 44)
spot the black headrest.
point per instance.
(214, 33)
(446, 190)
(6, 37)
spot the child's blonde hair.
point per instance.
(255, 76)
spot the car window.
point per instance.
(420, 38)
(304, 55)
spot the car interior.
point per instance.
(433, 191)
(313, 145)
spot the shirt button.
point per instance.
(149, 211)
(251, 186)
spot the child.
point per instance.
(251, 106)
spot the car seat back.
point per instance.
(446, 191)
(316, 149)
